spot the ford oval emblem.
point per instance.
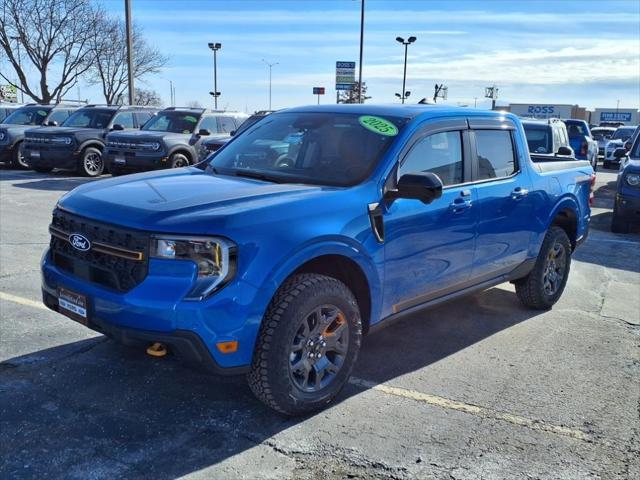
(79, 242)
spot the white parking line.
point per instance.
(22, 301)
(484, 412)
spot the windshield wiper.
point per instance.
(257, 176)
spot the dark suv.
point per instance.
(79, 142)
(171, 139)
(22, 119)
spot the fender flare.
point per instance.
(92, 143)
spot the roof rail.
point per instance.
(202, 109)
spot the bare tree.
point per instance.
(351, 96)
(51, 36)
(149, 98)
(193, 104)
(110, 58)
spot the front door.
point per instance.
(429, 249)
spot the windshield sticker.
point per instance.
(191, 119)
(378, 125)
(42, 113)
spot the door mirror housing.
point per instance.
(117, 126)
(52, 123)
(203, 132)
(423, 186)
(565, 151)
(620, 152)
(232, 133)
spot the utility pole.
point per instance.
(475, 102)
(361, 51)
(270, 65)
(17, 39)
(127, 10)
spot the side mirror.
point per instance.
(232, 133)
(52, 123)
(565, 151)
(620, 152)
(423, 186)
(203, 132)
(117, 126)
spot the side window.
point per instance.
(440, 153)
(125, 119)
(496, 157)
(142, 117)
(227, 125)
(209, 123)
(58, 116)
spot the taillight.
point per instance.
(584, 148)
(592, 189)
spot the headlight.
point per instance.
(215, 258)
(61, 140)
(633, 179)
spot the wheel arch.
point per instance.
(183, 150)
(565, 216)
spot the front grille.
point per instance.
(117, 258)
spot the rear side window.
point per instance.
(440, 153)
(59, 116)
(538, 138)
(125, 119)
(227, 125)
(496, 157)
(209, 123)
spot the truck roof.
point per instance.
(406, 111)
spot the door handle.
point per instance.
(519, 193)
(460, 204)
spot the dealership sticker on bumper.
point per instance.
(119, 160)
(35, 153)
(73, 305)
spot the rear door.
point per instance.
(504, 202)
(429, 249)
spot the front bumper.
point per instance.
(628, 207)
(135, 161)
(48, 157)
(155, 311)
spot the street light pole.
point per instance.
(127, 10)
(270, 65)
(215, 47)
(406, 44)
(361, 50)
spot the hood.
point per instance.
(217, 139)
(616, 142)
(188, 200)
(632, 166)
(12, 132)
(64, 130)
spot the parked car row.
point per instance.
(96, 139)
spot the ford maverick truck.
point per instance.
(309, 229)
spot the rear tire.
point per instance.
(307, 345)
(91, 162)
(544, 285)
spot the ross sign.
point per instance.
(615, 117)
(345, 75)
(318, 90)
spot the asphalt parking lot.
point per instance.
(480, 388)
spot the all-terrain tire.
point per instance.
(17, 158)
(270, 377)
(178, 160)
(531, 290)
(91, 163)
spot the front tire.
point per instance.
(17, 159)
(91, 162)
(544, 285)
(307, 345)
(179, 160)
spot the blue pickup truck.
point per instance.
(310, 228)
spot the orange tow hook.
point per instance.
(157, 350)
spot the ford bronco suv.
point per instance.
(22, 119)
(626, 209)
(171, 139)
(310, 228)
(79, 142)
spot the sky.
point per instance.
(583, 52)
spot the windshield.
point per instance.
(577, 129)
(90, 118)
(602, 133)
(318, 148)
(248, 122)
(27, 116)
(538, 138)
(623, 134)
(174, 122)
